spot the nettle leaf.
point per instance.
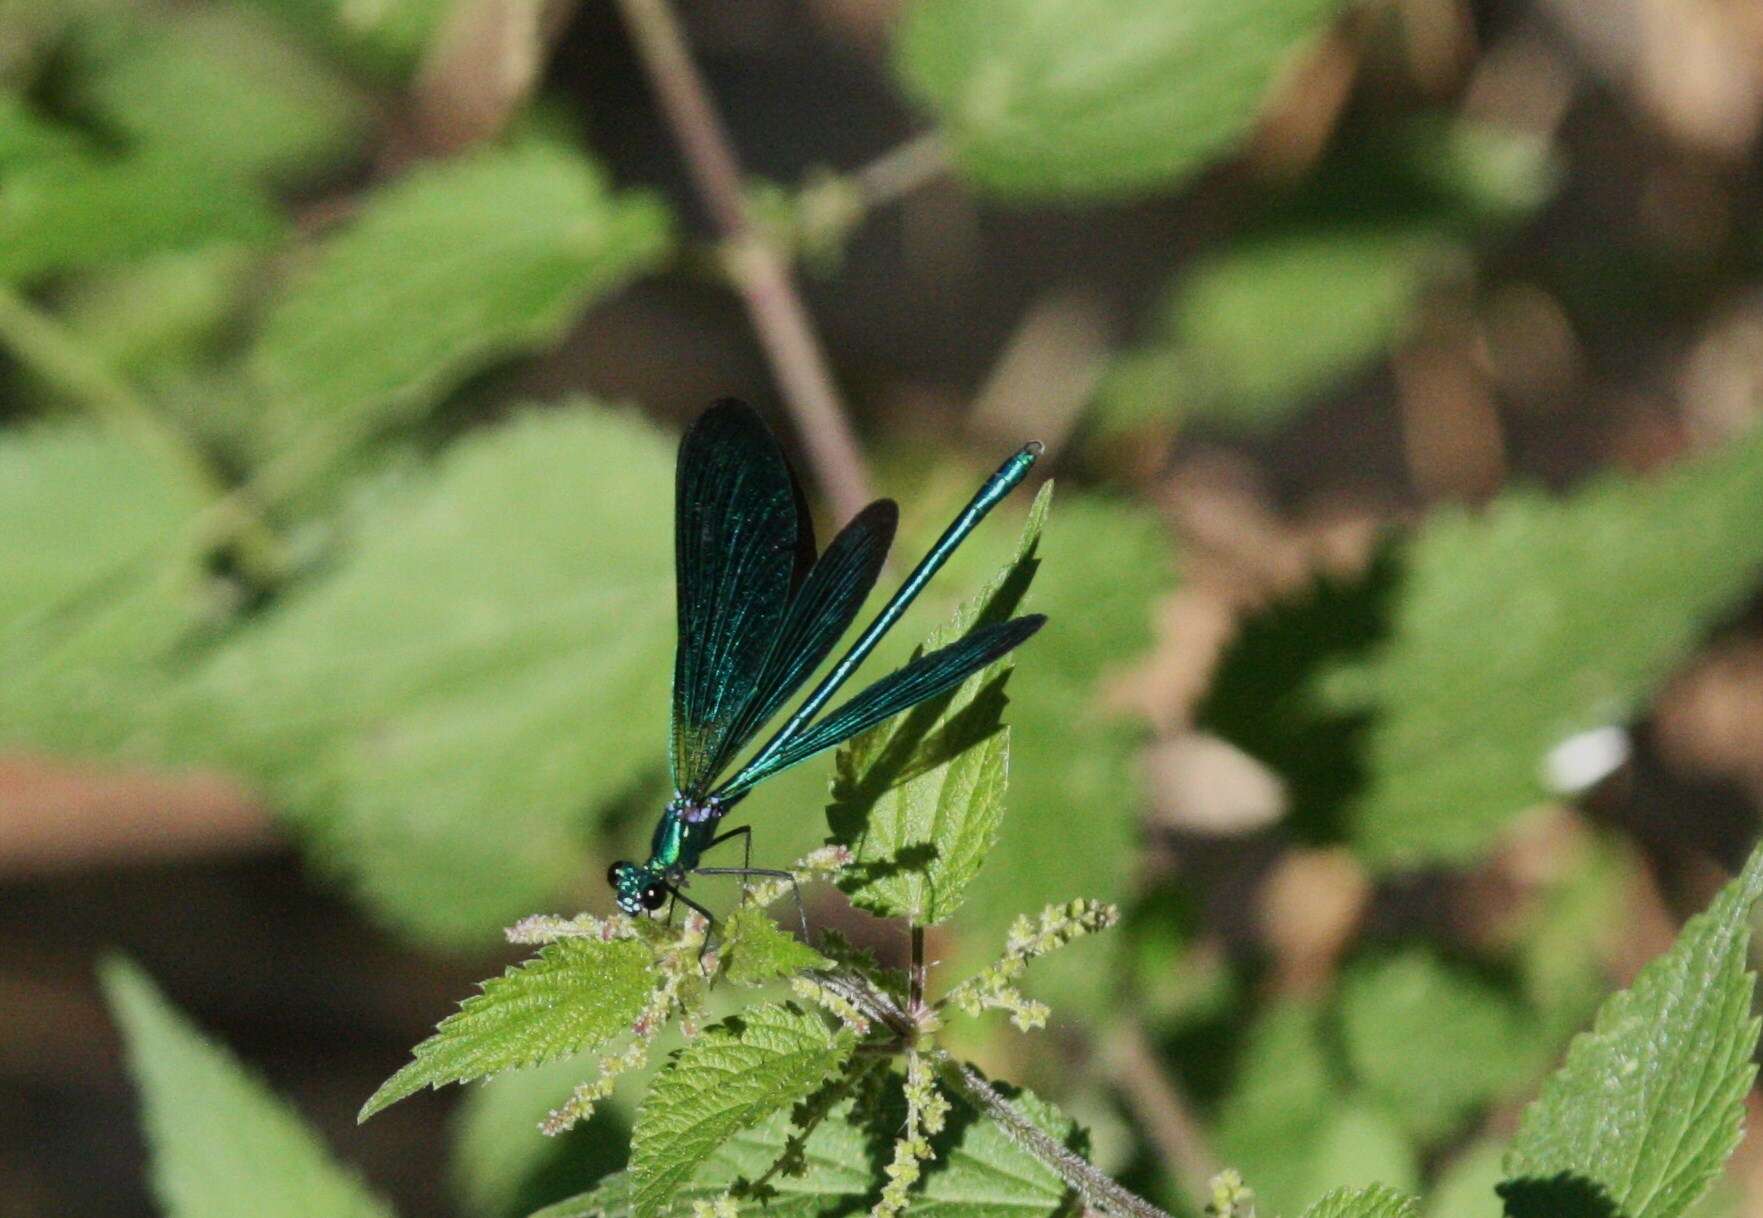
(64, 213)
(1097, 98)
(162, 79)
(99, 586)
(919, 798)
(1075, 794)
(1374, 1202)
(1433, 1041)
(444, 709)
(445, 271)
(385, 38)
(733, 1076)
(1337, 272)
(979, 1171)
(574, 996)
(1650, 1102)
(26, 137)
(1295, 1128)
(222, 1143)
(758, 952)
(1337, 297)
(839, 1173)
(1411, 709)
(1519, 626)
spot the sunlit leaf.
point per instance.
(1095, 98)
(758, 952)
(574, 996)
(1641, 1118)
(444, 708)
(919, 799)
(99, 586)
(162, 79)
(733, 1076)
(63, 214)
(443, 272)
(1373, 1202)
(1517, 627)
(223, 1145)
(980, 1172)
(1431, 1041)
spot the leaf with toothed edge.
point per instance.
(1642, 1116)
(733, 1076)
(575, 995)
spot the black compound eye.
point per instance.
(654, 896)
(614, 871)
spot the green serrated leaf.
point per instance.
(759, 953)
(1336, 296)
(443, 709)
(1649, 1104)
(1097, 98)
(1520, 626)
(443, 272)
(1376, 1201)
(574, 996)
(919, 799)
(162, 80)
(222, 1144)
(27, 138)
(76, 213)
(1295, 1128)
(1412, 710)
(1337, 271)
(1432, 1041)
(98, 587)
(1075, 792)
(384, 38)
(979, 1172)
(733, 1076)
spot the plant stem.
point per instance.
(44, 345)
(1162, 1109)
(1097, 1188)
(915, 976)
(759, 273)
(903, 169)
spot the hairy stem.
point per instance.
(41, 343)
(1097, 1189)
(760, 274)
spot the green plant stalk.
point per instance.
(45, 346)
(757, 271)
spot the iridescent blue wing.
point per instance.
(736, 546)
(820, 612)
(923, 678)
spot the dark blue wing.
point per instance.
(820, 613)
(923, 678)
(736, 546)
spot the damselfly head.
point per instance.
(635, 888)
